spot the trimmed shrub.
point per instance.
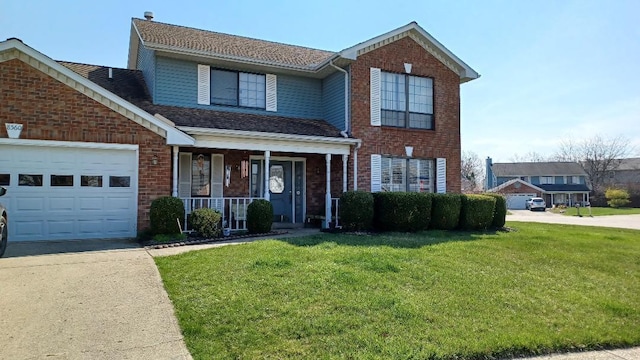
(445, 211)
(165, 213)
(259, 216)
(206, 222)
(617, 198)
(356, 210)
(500, 211)
(476, 212)
(402, 211)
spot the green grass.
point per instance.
(599, 211)
(434, 295)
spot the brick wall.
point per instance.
(521, 189)
(444, 141)
(50, 110)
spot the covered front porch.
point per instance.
(565, 194)
(302, 178)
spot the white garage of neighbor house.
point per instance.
(86, 163)
(518, 201)
(517, 192)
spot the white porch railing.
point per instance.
(233, 210)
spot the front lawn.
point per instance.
(434, 295)
(597, 211)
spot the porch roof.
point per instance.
(569, 188)
(225, 120)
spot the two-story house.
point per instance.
(219, 120)
(559, 183)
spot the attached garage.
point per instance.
(87, 163)
(61, 190)
(518, 201)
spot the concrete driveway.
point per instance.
(615, 221)
(85, 303)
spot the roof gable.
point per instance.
(537, 169)
(16, 49)
(516, 183)
(424, 39)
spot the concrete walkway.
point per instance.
(615, 221)
(85, 304)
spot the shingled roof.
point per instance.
(130, 85)
(211, 43)
(537, 169)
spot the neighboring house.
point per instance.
(626, 175)
(559, 183)
(204, 116)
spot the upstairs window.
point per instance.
(547, 180)
(238, 89)
(406, 101)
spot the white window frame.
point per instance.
(394, 182)
(545, 180)
(391, 99)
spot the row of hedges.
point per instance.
(410, 212)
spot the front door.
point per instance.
(280, 189)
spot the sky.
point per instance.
(550, 71)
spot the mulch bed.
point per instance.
(197, 240)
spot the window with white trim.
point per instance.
(234, 88)
(547, 180)
(414, 175)
(406, 101)
(573, 179)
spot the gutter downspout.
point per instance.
(346, 98)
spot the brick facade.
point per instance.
(519, 188)
(443, 142)
(50, 110)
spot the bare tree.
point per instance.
(472, 172)
(531, 156)
(598, 156)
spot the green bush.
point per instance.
(165, 214)
(402, 211)
(476, 212)
(206, 222)
(445, 211)
(617, 198)
(356, 210)
(259, 216)
(500, 211)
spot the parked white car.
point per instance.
(536, 203)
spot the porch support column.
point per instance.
(327, 203)
(552, 200)
(345, 161)
(267, 157)
(355, 169)
(174, 190)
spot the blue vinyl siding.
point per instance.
(147, 64)
(333, 99)
(176, 85)
(559, 180)
(503, 179)
(535, 180)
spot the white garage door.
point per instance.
(58, 192)
(518, 201)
